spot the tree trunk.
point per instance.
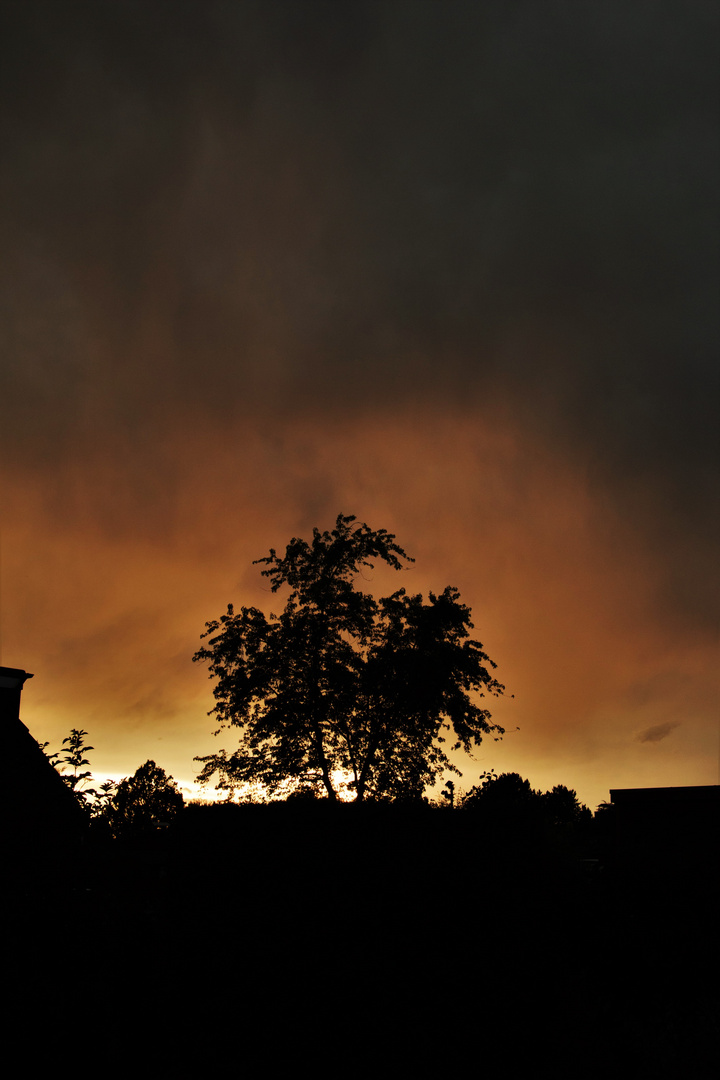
(369, 758)
(315, 697)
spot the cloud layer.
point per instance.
(449, 267)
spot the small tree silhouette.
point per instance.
(72, 756)
(563, 807)
(147, 801)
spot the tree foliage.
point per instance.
(342, 684)
(71, 762)
(72, 757)
(144, 802)
(562, 806)
(509, 797)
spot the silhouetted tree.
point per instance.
(71, 756)
(145, 802)
(506, 802)
(562, 806)
(342, 684)
(509, 801)
(506, 791)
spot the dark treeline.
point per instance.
(413, 926)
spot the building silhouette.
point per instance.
(36, 806)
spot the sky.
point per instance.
(449, 267)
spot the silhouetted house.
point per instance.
(35, 804)
(670, 827)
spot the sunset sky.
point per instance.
(450, 267)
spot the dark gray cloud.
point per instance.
(657, 732)
(240, 210)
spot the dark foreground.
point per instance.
(309, 938)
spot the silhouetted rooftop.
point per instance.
(35, 803)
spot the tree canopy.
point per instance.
(510, 798)
(144, 802)
(344, 687)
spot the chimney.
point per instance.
(11, 684)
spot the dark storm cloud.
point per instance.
(657, 732)
(244, 209)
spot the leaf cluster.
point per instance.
(72, 756)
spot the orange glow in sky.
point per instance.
(449, 270)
